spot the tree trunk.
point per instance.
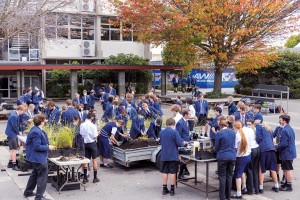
(218, 79)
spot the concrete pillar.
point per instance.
(74, 83)
(22, 80)
(121, 82)
(19, 86)
(163, 81)
(99, 53)
(43, 88)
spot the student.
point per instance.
(111, 90)
(122, 130)
(69, 113)
(183, 84)
(154, 128)
(225, 149)
(12, 131)
(138, 126)
(231, 105)
(149, 111)
(103, 99)
(85, 100)
(109, 108)
(193, 117)
(77, 99)
(92, 98)
(214, 127)
(267, 155)
(156, 105)
(23, 118)
(201, 108)
(287, 151)
(89, 133)
(107, 133)
(257, 113)
(170, 141)
(242, 115)
(277, 137)
(81, 112)
(52, 113)
(175, 82)
(243, 156)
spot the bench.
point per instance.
(270, 93)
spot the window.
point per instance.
(74, 27)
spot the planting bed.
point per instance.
(138, 143)
(70, 152)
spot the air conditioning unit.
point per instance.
(87, 5)
(88, 48)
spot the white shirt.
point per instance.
(88, 130)
(192, 111)
(250, 132)
(238, 145)
(177, 117)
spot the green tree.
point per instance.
(292, 41)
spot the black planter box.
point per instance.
(23, 165)
(71, 152)
(58, 184)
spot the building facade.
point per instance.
(83, 32)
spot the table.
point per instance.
(199, 185)
(66, 167)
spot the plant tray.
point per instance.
(71, 152)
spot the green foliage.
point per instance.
(126, 59)
(59, 83)
(216, 95)
(65, 137)
(292, 41)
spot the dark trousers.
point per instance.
(191, 124)
(252, 171)
(38, 178)
(225, 173)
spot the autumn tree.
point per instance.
(292, 41)
(223, 32)
(25, 16)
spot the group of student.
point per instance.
(187, 83)
(246, 147)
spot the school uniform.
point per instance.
(232, 108)
(36, 102)
(225, 149)
(67, 116)
(103, 139)
(23, 120)
(188, 80)
(250, 114)
(89, 132)
(287, 148)
(28, 98)
(267, 149)
(85, 99)
(214, 124)
(12, 130)
(82, 116)
(175, 81)
(170, 141)
(104, 98)
(112, 92)
(150, 113)
(53, 116)
(243, 118)
(77, 101)
(201, 108)
(20, 100)
(108, 113)
(37, 147)
(277, 135)
(136, 127)
(157, 106)
(92, 101)
(258, 116)
(183, 129)
(197, 93)
(131, 111)
(153, 130)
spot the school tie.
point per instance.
(84, 99)
(201, 107)
(187, 124)
(243, 119)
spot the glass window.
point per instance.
(62, 33)
(115, 34)
(50, 32)
(75, 33)
(88, 34)
(88, 22)
(50, 20)
(75, 21)
(127, 36)
(62, 20)
(104, 34)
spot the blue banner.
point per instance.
(204, 78)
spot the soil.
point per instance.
(138, 143)
(71, 152)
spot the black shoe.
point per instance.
(84, 181)
(275, 189)
(16, 168)
(261, 191)
(244, 191)
(96, 180)
(32, 194)
(236, 197)
(181, 176)
(286, 189)
(101, 165)
(205, 135)
(187, 173)
(283, 180)
(172, 192)
(164, 192)
(256, 192)
(10, 165)
(107, 166)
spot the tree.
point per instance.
(224, 32)
(292, 41)
(25, 15)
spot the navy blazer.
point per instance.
(193, 81)
(250, 113)
(258, 116)
(82, 115)
(197, 93)
(153, 131)
(197, 107)
(108, 114)
(152, 115)
(136, 127)
(92, 99)
(287, 147)
(23, 119)
(264, 139)
(67, 116)
(76, 100)
(183, 130)
(37, 146)
(157, 106)
(238, 117)
(170, 141)
(35, 101)
(214, 124)
(188, 79)
(232, 108)
(183, 81)
(225, 145)
(112, 92)
(53, 116)
(87, 99)
(12, 127)
(27, 98)
(277, 134)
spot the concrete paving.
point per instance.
(143, 181)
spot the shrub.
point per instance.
(216, 95)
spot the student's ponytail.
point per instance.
(243, 146)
